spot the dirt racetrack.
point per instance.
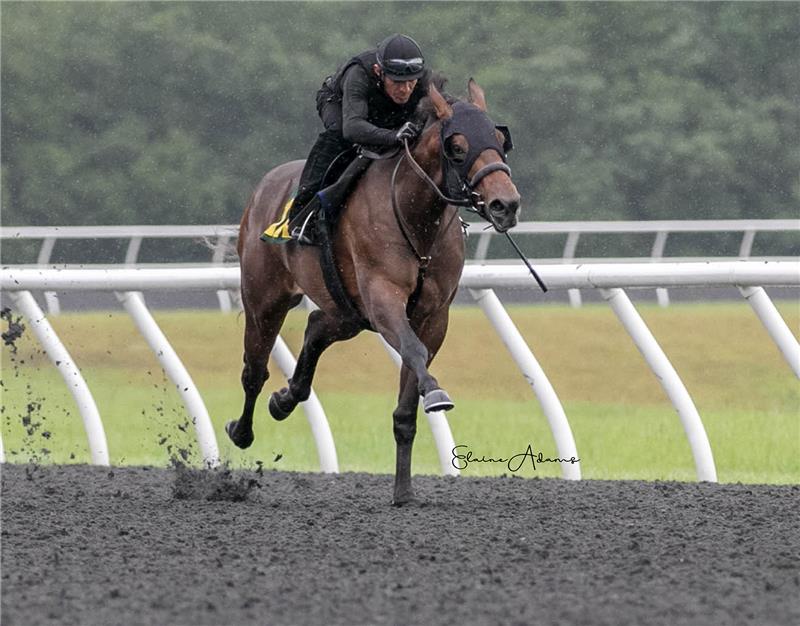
(88, 545)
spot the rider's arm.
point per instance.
(355, 127)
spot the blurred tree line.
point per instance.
(170, 112)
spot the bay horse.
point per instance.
(399, 253)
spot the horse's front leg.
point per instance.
(388, 316)
(322, 330)
(405, 429)
(431, 334)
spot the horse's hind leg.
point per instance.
(261, 329)
(322, 331)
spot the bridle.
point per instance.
(467, 196)
(459, 190)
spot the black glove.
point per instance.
(407, 131)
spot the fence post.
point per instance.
(50, 297)
(135, 306)
(746, 247)
(537, 379)
(223, 296)
(569, 253)
(669, 380)
(776, 327)
(657, 254)
(58, 354)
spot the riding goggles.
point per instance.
(402, 67)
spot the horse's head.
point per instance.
(474, 151)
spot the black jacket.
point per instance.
(368, 115)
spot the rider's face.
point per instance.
(398, 90)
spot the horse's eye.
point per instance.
(457, 153)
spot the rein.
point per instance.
(474, 201)
(423, 260)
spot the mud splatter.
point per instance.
(15, 329)
(177, 454)
(219, 484)
(173, 426)
(33, 422)
(30, 415)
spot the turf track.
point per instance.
(87, 545)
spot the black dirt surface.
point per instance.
(89, 545)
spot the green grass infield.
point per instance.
(623, 423)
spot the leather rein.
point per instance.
(471, 199)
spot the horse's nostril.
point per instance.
(498, 206)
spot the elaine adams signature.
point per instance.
(514, 463)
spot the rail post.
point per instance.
(669, 380)
(60, 357)
(136, 308)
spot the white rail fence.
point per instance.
(610, 279)
(219, 238)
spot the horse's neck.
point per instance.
(419, 203)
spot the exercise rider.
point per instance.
(368, 102)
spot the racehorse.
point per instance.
(398, 251)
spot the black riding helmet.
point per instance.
(400, 58)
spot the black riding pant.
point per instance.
(328, 146)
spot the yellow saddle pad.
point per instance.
(279, 231)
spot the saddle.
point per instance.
(315, 225)
(326, 205)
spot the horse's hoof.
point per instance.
(279, 408)
(401, 499)
(437, 400)
(241, 441)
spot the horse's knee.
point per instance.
(254, 375)
(413, 352)
(405, 427)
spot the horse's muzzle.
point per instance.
(503, 213)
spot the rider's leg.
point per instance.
(328, 146)
(333, 196)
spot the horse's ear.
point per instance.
(476, 95)
(443, 110)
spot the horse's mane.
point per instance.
(425, 112)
